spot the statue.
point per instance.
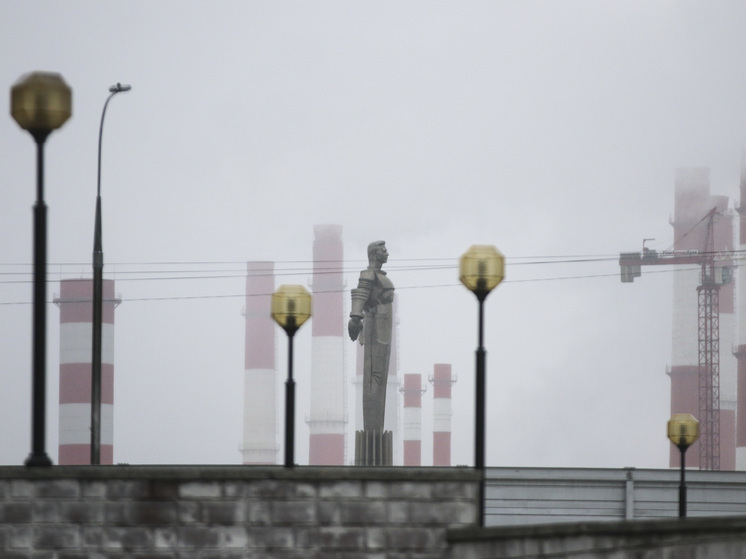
(371, 320)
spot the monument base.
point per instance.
(373, 448)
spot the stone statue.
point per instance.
(371, 321)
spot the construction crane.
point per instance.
(708, 327)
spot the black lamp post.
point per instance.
(291, 307)
(683, 431)
(40, 102)
(98, 280)
(481, 269)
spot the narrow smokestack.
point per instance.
(724, 239)
(260, 373)
(692, 201)
(392, 417)
(328, 416)
(741, 348)
(442, 411)
(76, 330)
(412, 392)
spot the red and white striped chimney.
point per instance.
(692, 201)
(392, 413)
(442, 411)
(724, 233)
(412, 391)
(260, 374)
(76, 331)
(327, 419)
(741, 349)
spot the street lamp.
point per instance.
(98, 280)
(683, 431)
(291, 307)
(40, 102)
(481, 269)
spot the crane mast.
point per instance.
(708, 329)
(708, 371)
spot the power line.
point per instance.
(399, 288)
(308, 267)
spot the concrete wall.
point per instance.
(144, 512)
(688, 538)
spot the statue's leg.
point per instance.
(374, 401)
(375, 371)
(378, 399)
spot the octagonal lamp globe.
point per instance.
(291, 306)
(683, 429)
(481, 268)
(40, 102)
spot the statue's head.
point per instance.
(377, 253)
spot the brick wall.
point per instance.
(153, 512)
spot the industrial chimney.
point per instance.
(260, 374)
(442, 381)
(327, 420)
(412, 420)
(76, 330)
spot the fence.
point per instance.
(520, 496)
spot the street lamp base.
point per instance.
(38, 460)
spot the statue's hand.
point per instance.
(354, 327)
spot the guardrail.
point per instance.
(520, 496)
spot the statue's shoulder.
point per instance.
(368, 275)
(383, 280)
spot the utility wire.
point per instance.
(403, 266)
(399, 288)
(191, 274)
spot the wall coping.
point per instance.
(242, 472)
(691, 527)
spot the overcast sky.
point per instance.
(549, 129)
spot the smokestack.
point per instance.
(260, 372)
(328, 413)
(724, 233)
(412, 392)
(741, 348)
(391, 419)
(692, 201)
(442, 412)
(76, 330)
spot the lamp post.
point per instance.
(683, 431)
(98, 280)
(481, 269)
(40, 102)
(291, 307)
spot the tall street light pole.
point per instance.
(481, 269)
(683, 431)
(291, 307)
(40, 102)
(98, 280)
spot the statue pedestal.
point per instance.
(373, 448)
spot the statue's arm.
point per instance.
(360, 296)
(354, 327)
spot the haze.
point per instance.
(549, 129)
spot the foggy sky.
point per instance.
(549, 129)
